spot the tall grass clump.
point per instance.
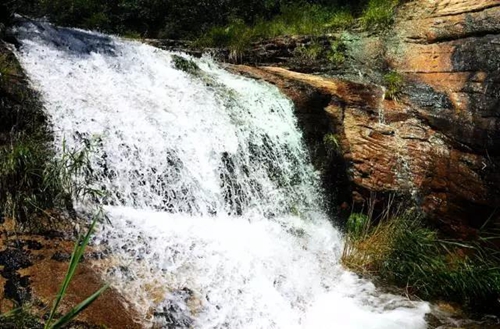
(378, 14)
(394, 83)
(34, 182)
(401, 250)
(293, 19)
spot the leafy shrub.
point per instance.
(378, 14)
(357, 225)
(401, 250)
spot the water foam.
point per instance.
(216, 211)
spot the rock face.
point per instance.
(439, 143)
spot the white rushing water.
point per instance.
(216, 212)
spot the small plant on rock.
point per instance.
(331, 143)
(394, 83)
(336, 54)
(310, 52)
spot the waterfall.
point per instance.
(216, 213)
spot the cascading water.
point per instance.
(216, 213)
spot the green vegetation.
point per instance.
(183, 18)
(32, 181)
(332, 144)
(394, 83)
(378, 14)
(321, 50)
(310, 52)
(234, 24)
(76, 256)
(295, 19)
(401, 250)
(357, 225)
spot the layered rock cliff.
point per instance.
(438, 142)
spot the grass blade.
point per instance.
(77, 254)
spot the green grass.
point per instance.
(33, 180)
(331, 142)
(303, 19)
(299, 19)
(401, 250)
(378, 14)
(394, 83)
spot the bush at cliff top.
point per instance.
(158, 18)
(401, 250)
(294, 19)
(378, 14)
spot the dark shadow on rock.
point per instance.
(479, 57)
(315, 125)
